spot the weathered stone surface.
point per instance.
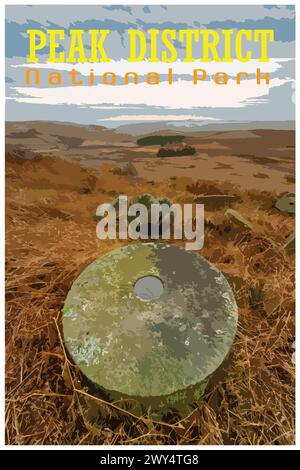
(237, 217)
(290, 243)
(286, 203)
(160, 351)
(146, 199)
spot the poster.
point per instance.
(150, 225)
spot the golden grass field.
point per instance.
(50, 237)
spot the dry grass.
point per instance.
(51, 237)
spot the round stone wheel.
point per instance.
(149, 323)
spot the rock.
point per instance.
(125, 170)
(216, 201)
(286, 203)
(237, 217)
(150, 323)
(290, 243)
(146, 199)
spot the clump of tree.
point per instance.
(160, 140)
(176, 152)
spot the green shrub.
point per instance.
(160, 139)
(179, 152)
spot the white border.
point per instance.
(2, 340)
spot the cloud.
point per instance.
(15, 43)
(159, 117)
(181, 94)
(127, 9)
(159, 13)
(119, 18)
(87, 104)
(284, 28)
(146, 9)
(113, 107)
(277, 105)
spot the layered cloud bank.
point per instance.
(143, 102)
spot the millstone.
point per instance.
(150, 322)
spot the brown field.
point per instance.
(56, 176)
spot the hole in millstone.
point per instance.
(148, 288)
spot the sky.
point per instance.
(182, 103)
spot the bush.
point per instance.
(160, 139)
(179, 152)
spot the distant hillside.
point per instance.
(93, 146)
(140, 129)
(53, 136)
